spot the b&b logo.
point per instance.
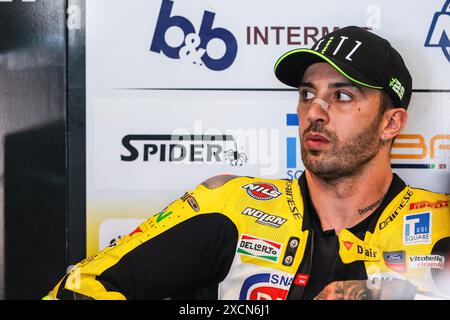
(194, 49)
(439, 33)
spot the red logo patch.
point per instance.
(262, 191)
(301, 279)
(137, 230)
(347, 244)
(426, 204)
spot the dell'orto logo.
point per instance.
(439, 33)
(259, 248)
(196, 47)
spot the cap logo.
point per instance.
(397, 87)
(327, 45)
(325, 48)
(348, 57)
(339, 45)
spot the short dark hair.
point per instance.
(386, 102)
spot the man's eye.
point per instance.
(342, 96)
(307, 95)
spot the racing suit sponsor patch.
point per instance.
(191, 201)
(395, 260)
(264, 218)
(262, 190)
(417, 228)
(427, 204)
(266, 286)
(353, 249)
(259, 248)
(427, 261)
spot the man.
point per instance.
(347, 229)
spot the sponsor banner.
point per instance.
(427, 262)
(132, 140)
(417, 228)
(421, 154)
(259, 248)
(193, 43)
(149, 141)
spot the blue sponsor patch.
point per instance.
(417, 228)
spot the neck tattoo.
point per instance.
(372, 206)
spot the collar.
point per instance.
(311, 219)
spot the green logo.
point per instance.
(327, 44)
(160, 216)
(397, 87)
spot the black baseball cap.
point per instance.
(360, 55)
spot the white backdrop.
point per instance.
(148, 80)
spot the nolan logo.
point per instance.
(264, 218)
(262, 191)
(259, 248)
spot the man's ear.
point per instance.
(395, 121)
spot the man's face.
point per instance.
(339, 123)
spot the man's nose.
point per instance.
(318, 111)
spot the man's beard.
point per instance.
(344, 159)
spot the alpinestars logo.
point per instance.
(194, 48)
(439, 33)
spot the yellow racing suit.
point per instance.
(251, 238)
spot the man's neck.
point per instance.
(343, 203)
